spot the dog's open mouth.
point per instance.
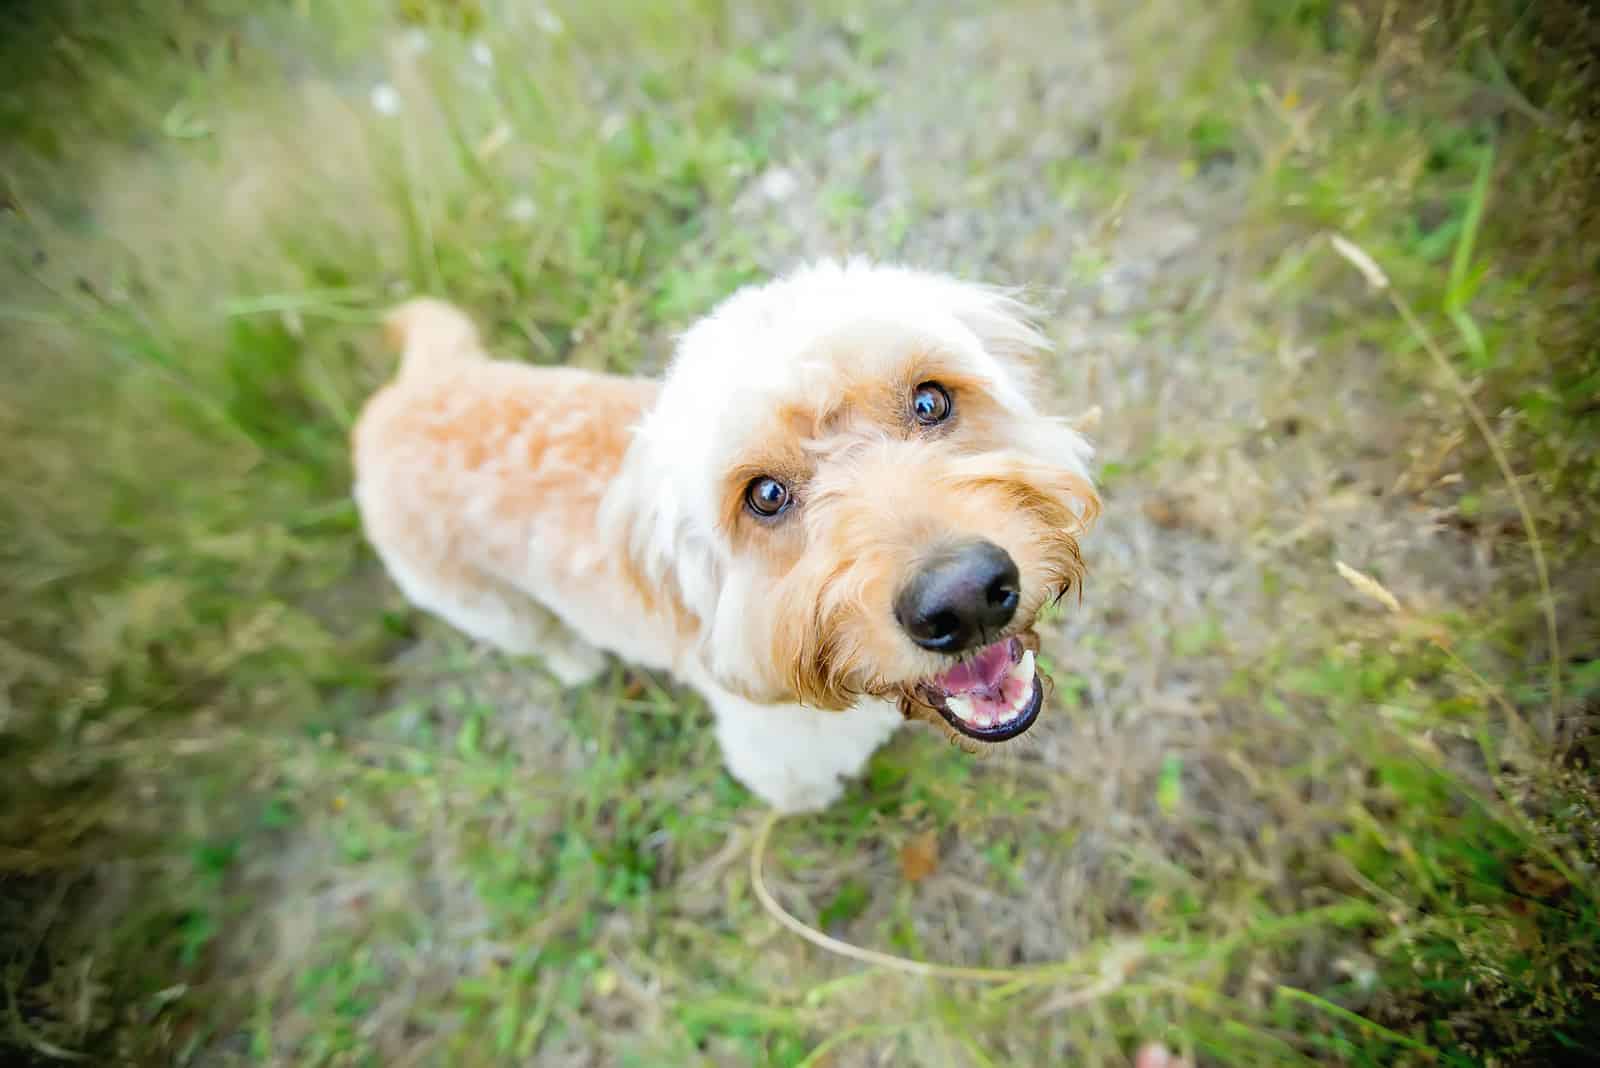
(992, 695)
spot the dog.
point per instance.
(841, 509)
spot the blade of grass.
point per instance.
(1358, 1021)
(1379, 280)
(1459, 289)
(1463, 280)
(820, 1054)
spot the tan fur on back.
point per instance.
(466, 465)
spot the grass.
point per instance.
(257, 811)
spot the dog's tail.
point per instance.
(430, 333)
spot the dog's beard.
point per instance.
(847, 645)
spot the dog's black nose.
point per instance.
(960, 598)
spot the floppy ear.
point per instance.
(671, 567)
(1005, 324)
(670, 554)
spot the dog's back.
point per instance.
(479, 480)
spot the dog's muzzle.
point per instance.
(959, 603)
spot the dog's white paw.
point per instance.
(574, 666)
(798, 759)
(797, 795)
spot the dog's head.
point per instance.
(848, 490)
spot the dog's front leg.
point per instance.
(796, 758)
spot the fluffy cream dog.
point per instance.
(839, 510)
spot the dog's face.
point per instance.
(849, 488)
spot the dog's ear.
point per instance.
(669, 563)
(1005, 324)
(725, 617)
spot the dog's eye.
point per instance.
(766, 496)
(931, 404)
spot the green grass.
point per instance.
(182, 559)
(258, 811)
(1506, 156)
(1438, 143)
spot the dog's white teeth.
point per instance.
(961, 708)
(1024, 668)
(1018, 687)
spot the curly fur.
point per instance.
(505, 498)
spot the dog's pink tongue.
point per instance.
(983, 672)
